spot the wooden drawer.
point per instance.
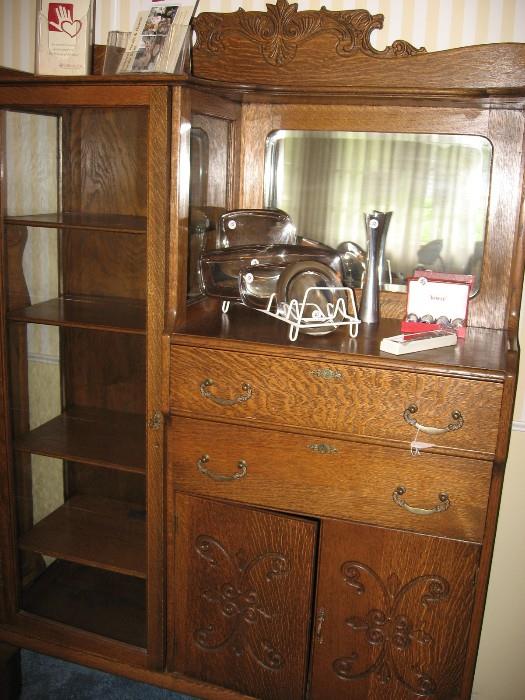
(337, 478)
(354, 401)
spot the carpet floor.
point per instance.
(45, 678)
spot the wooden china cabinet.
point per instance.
(189, 498)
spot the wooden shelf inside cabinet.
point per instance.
(97, 601)
(92, 436)
(112, 223)
(98, 313)
(100, 532)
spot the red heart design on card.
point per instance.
(71, 28)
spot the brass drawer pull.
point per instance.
(241, 464)
(456, 415)
(247, 389)
(441, 506)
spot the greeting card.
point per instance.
(64, 37)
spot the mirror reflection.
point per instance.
(435, 185)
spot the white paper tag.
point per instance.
(417, 445)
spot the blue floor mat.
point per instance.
(45, 678)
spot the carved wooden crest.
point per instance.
(281, 30)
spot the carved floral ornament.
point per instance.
(236, 607)
(393, 638)
(282, 29)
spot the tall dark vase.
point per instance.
(376, 225)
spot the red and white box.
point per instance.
(437, 295)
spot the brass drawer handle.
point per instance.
(241, 464)
(443, 505)
(456, 415)
(247, 389)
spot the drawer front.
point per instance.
(336, 478)
(353, 401)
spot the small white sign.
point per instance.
(432, 298)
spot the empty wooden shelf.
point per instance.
(93, 436)
(111, 223)
(119, 315)
(95, 600)
(103, 533)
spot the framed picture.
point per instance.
(64, 37)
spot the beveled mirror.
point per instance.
(436, 185)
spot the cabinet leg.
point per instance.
(10, 673)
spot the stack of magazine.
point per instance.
(158, 38)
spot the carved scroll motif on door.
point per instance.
(233, 597)
(389, 630)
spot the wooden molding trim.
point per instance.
(281, 30)
(284, 47)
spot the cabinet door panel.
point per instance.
(242, 600)
(393, 614)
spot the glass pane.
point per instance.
(209, 168)
(436, 185)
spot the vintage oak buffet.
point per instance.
(194, 500)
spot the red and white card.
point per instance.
(64, 37)
(437, 295)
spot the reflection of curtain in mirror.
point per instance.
(436, 185)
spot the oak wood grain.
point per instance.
(107, 161)
(108, 222)
(157, 147)
(351, 401)
(43, 635)
(105, 313)
(397, 613)
(14, 387)
(125, 202)
(284, 46)
(98, 532)
(93, 436)
(104, 369)
(178, 245)
(243, 575)
(309, 474)
(116, 265)
(483, 353)
(111, 605)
